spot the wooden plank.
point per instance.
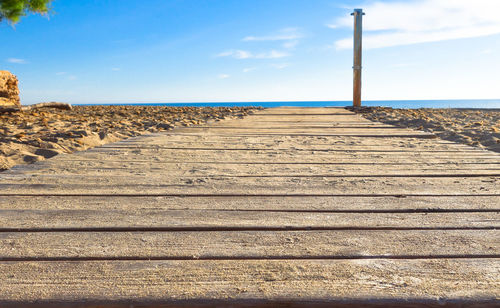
(102, 168)
(263, 154)
(302, 114)
(249, 245)
(293, 126)
(273, 159)
(305, 110)
(239, 167)
(206, 282)
(256, 203)
(275, 156)
(305, 113)
(159, 139)
(141, 184)
(295, 149)
(297, 130)
(115, 174)
(415, 135)
(310, 148)
(464, 163)
(142, 164)
(182, 220)
(263, 170)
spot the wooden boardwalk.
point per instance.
(291, 206)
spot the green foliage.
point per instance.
(13, 10)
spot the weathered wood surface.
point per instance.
(172, 220)
(228, 185)
(364, 204)
(331, 244)
(386, 282)
(290, 206)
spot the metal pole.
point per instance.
(358, 31)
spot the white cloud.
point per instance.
(280, 66)
(421, 21)
(60, 73)
(288, 37)
(243, 54)
(72, 77)
(237, 54)
(223, 76)
(273, 54)
(16, 61)
(249, 69)
(290, 44)
(115, 69)
(285, 34)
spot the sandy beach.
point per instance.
(475, 127)
(30, 136)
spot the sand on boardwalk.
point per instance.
(476, 127)
(27, 137)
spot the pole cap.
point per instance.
(357, 11)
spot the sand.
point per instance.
(30, 136)
(27, 137)
(475, 127)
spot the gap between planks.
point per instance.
(187, 195)
(268, 258)
(14, 176)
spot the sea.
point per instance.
(410, 104)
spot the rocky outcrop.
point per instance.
(9, 91)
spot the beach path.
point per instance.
(291, 206)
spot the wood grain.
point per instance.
(249, 244)
(205, 282)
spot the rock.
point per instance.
(164, 126)
(57, 105)
(103, 134)
(9, 91)
(47, 153)
(29, 158)
(80, 133)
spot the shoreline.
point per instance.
(31, 136)
(403, 104)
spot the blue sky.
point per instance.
(124, 51)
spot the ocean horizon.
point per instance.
(409, 104)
